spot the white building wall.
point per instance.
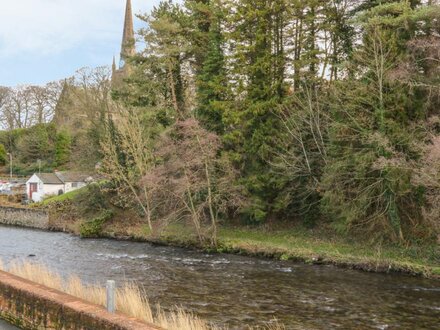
(68, 187)
(36, 196)
(44, 190)
(52, 189)
(71, 186)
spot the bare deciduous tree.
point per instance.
(25, 106)
(195, 182)
(127, 156)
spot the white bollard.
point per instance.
(111, 302)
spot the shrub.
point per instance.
(93, 228)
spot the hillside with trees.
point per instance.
(311, 112)
(262, 112)
(55, 126)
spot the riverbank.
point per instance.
(77, 213)
(311, 247)
(298, 244)
(232, 290)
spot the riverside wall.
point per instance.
(31, 306)
(24, 217)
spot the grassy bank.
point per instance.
(296, 243)
(60, 198)
(300, 245)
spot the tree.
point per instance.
(300, 154)
(36, 143)
(18, 109)
(128, 156)
(191, 181)
(369, 180)
(207, 47)
(166, 43)
(3, 155)
(257, 66)
(83, 110)
(62, 148)
(44, 101)
(4, 91)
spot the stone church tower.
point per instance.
(128, 48)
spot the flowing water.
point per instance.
(237, 291)
(5, 326)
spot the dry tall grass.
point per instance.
(129, 298)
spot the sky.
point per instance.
(48, 40)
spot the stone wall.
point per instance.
(31, 306)
(24, 217)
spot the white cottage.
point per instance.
(42, 185)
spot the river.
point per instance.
(237, 291)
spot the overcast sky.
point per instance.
(46, 40)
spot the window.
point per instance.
(74, 184)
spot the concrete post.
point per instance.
(111, 302)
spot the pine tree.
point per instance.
(207, 48)
(258, 81)
(167, 46)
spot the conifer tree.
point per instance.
(369, 178)
(207, 47)
(258, 80)
(167, 45)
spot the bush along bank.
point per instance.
(93, 228)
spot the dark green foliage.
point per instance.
(93, 228)
(211, 78)
(92, 198)
(62, 148)
(93, 203)
(3, 155)
(37, 143)
(37, 148)
(252, 120)
(326, 110)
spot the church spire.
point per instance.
(128, 47)
(114, 65)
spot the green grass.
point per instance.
(321, 247)
(316, 247)
(61, 198)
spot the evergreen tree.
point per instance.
(62, 148)
(259, 85)
(369, 177)
(167, 46)
(208, 48)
